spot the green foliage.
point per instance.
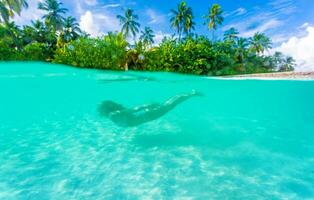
(6, 51)
(108, 52)
(60, 40)
(189, 56)
(40, 33)
(201, 56)
(35, 51)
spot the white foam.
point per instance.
(261, 78)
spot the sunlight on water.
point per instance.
(245, 139)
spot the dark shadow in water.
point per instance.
(130, 117)
(128, 78)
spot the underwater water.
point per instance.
(240, 139)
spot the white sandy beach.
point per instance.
(276, 76)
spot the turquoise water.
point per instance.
(244, 139)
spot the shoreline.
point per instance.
(275, 76)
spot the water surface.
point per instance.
(245, 139)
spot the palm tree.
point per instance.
(177, 18)
(34, 33)
(231, 34)
(182, 19)
(260, 43)
(214, 18)
(129, 23)
(38, 26)
(43, 33)
(8, 9)
(13, 30)
(188, 21)
(241, 50)
(71, 29)
(5, 13)
(277, 58)
(147, 36)
(288, 65)
(282, 63)
(54, 14)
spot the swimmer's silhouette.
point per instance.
(128, 117)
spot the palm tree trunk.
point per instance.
(213, 35)
(126, 66)
(179, 36)
(179, 31)
(134, 38)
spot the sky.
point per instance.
(289, 23)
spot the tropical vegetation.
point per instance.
(58, 38)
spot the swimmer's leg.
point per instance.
(174, 101)
(147, 113)
(168, 105)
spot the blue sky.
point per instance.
(282, 20)
(278, 18)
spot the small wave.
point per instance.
(54, 74)
(18, 76)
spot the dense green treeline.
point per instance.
(58, 39)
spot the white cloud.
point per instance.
(304, 26)
(155, 18)
(79, 9)
(115, 5)
(301, 49)
(272, 23)
(96, 24)
(269, 19)
(31, 13)
(238, 12)
(283, 6)
(87, 23)
(159, 36)
(255, 24)
(279, 38)
(107, 21)
(91, 2)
